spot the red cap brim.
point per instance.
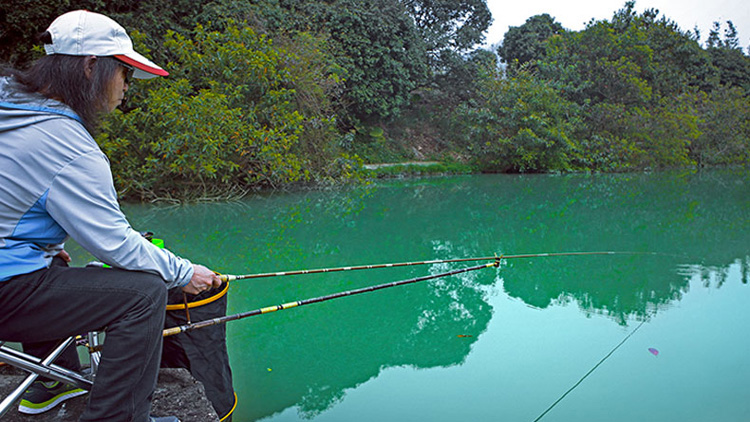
(156, 71)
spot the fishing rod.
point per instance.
(228, 277)
(220, 320)
(496, 263)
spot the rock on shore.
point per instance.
(177, 394)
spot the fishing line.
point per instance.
(590, 371)
(228, 277)
(220, 320)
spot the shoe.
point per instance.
(44, 395)
(163, 419)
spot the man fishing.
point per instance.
(56, 183)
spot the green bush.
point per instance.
(229, 118)
(724, 127)
(519, 124)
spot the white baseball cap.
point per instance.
(84, 33)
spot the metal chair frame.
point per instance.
(44, 367)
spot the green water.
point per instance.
(493, 344)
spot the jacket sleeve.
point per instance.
(83, 200)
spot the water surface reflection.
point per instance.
(681, 226)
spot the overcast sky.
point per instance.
(573, 14)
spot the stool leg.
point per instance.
(32, 364)
(94, 354)
(16, 394)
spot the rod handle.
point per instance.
(171, 331)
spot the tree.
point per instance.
(228, 119)
(21, 21)
(389, 48)
(679, 64)
(724, 127)
(713, 40)
(733, 67)
(731, 41)
(380, 48)
(732, 64)
(632, 77)
(453, 25)
(600, 65)
(527, 43)
(518, 124)
(463, 76)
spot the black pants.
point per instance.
(58, 302)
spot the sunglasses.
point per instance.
(129, 73)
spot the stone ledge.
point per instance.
(177, 394)
(404, 164)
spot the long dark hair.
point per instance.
(62, 77)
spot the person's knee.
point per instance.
(148, 290)
(155, 289)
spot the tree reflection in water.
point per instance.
(309, 357)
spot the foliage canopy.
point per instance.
(265, 93)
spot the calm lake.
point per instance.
(655, 334)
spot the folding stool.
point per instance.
(44, 367)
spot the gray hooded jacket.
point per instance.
(56, 183)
